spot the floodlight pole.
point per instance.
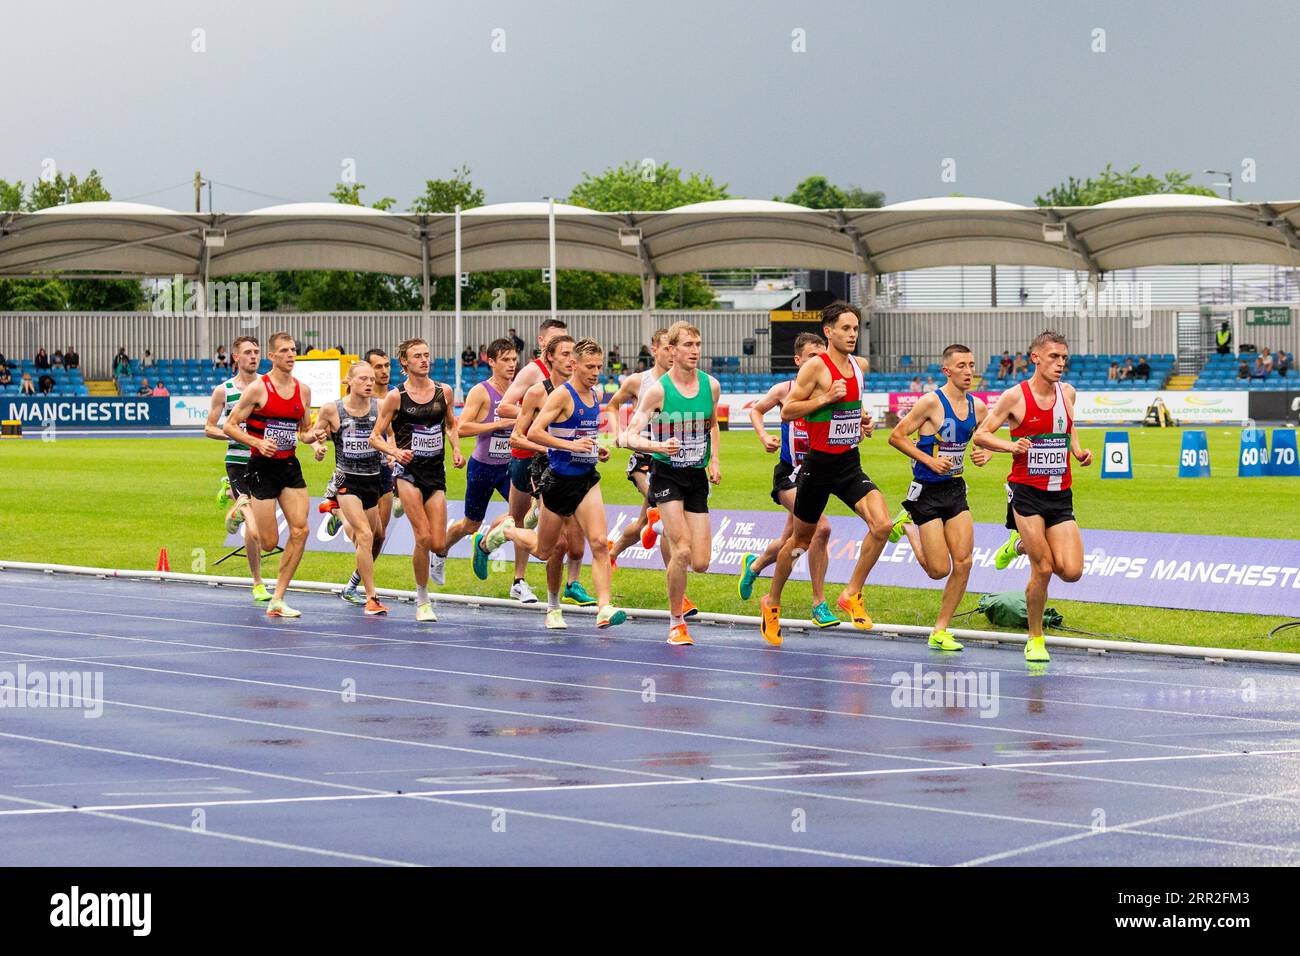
(550, 215)
(460, 329)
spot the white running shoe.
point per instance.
(437, 568)
(522, 593)
(425, 612)
(555, 619)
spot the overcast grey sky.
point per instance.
(885, 92)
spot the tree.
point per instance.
(444, 195)
(1113, 184)
(817, 192)
(635, 186)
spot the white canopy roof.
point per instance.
(135, 239)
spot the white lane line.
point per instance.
(233, 837)
(946, 724)
(459, 803)
(1120, 827)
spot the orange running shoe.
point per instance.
(771, 622)
(374, 607)
(688, 607)
(851, 604)
(649, 535)
(613, 561)
(326, 506)
(678, 636)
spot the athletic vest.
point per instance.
(950, 441)
(278, 419)
(492, 448)
(236, 454)
(794, 437)
(546, 379)
(1047, 465)
(352, 452)
(584, 422)
(836, 428)
(419, 425)
(687, 420)
(648, 378)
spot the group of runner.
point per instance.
(537, 431)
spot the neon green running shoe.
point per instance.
(900, 520)
(280, 609)
(1036, 649)
(424, 612)
(1007, 553)
(575, 593)
(944, 641)
(822, 616)
(223, 491)
(333, 524)
(260, 593)
(608, 616)
(747, 576)
(533, 516)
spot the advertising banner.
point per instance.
(87, 412)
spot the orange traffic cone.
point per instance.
(162, 561)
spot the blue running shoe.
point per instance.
(822, 616)
(575, 593)
(480, 556)
(747, 576)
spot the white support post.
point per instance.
(551, 242)
(460, 328)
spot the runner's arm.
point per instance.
(382, 437)
(248, 403)
(519, 435)
(211, 428)
(986, 435)
(901, 437)
(558, 405)
(453, 428)
(800, 403)
(760, 408)
(980, 456)
(471, 421)
(626, 392)
(306, 430)
(509, 406)
(1082, 455)
(715, 436)
(652, 400)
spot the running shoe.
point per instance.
(609, 615)
(374, 607)
(425, 612)
(398, 508)
(944, 641)
(900, 519)
(1036, 650)
(576, 594)
(822, 616)
(851, 604)
(555, 619)
(352, 595)
(771, 622)
(233, 521)
(678, 636)
(260, 593)
(649, 535)
(280, 609)
(688, 607)
(239, 517)
(480, 556)
(438, 568)
(522, 593)
(613, 560)
(531, 519)
(333, 524)
(497, 536)
(223, 491)
(1007, 553)
(747, 576)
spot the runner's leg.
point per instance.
(363, 537)
(589, 520)
(1033, 541)
(674, 517)
(959, 535)
(293, 502)
(871, 509)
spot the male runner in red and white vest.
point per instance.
(1040, 505)
(827, 395)
(271, 423)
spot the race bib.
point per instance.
(845, 427)
(955, 452)
(357, 445)
(282, 431)
(913, 491)
(586, 457)
(691, 449)
(499, 445)
(798, 441)
(426, 440)
(1049, 455)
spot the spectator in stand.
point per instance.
(1243, 371)
(220, 360)
(28, 387)
(467, 358)
(1223, 339)
(1127, 372)
(915, 385)
(56, 360)
(6, 377)
(482, 353)
(1284, 361)
(3, 360)
(644, 356)
(1004, 365)
(1143, 370)
(147, 361)
(1267, 358)
(1112, 375)
(121, 365)
(1021, 365)
(513, 336)
(1260, 371)
(615, 360)
(160, 390)
(641, 364)
(42, 359)
(71, 359)
(47, 385)
(145, 388)
(929, 385)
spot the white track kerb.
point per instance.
(887, 631)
